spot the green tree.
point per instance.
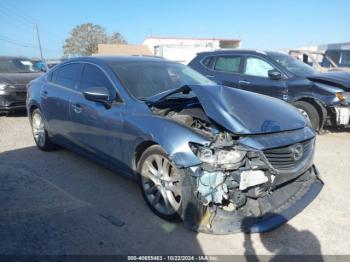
(84, 38)
(117, 38)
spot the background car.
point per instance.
(15, 74)
(340, 57)
(323, 98)
(221, 159)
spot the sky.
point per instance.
(264, 24)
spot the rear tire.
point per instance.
(309, 112)
(40, 135)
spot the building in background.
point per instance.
(183, 50)
(117, 49)
(324, 47)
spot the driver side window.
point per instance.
(94, 77)
(257, 67)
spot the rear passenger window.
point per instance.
(67, 75)
(94, 77)
(206, 61)
(230, 64)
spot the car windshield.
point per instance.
(17, 65)
(149, 78)
(294, 65)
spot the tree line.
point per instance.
(84, 39)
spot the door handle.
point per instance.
(44, 94)
(77, 108)
(210, 76)
(244, 82)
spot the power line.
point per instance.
(30, 20)
(19, 17)
(15, 17)
(15, 23)
(23, 44)
(17, 41)
(21, 13)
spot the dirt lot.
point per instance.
(61, 203)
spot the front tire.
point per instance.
(160, 183)
(309, 112)
(41, 137)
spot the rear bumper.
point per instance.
(270, 211)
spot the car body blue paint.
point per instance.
(113, 134)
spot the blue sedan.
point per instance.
(219, 159)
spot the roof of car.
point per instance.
(108, 59)
(240, 51)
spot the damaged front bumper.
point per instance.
(264, 213)
(342, 115)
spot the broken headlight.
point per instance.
(229, 158)
(343, 96)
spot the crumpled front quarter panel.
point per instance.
(173, 137)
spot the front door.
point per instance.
(255, 78)
(96, 128)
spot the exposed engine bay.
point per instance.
(235, 182)
(229, 173)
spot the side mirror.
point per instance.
(99, 94)
(274, 74)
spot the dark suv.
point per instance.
(323, 98)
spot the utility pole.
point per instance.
(39, 44)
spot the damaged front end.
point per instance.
(249, 190)
(245, 182)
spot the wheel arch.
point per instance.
(139, 150)
(31, 109)
(319, 106)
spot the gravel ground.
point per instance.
(61, 203)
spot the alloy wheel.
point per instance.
(160, 183)
(38, 129)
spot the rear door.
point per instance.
(255, 78)
(55, 96)
(95, 128)
(226, 70)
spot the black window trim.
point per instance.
(76, 85)
(212, 58)
(213, 62)
(118, 98)
(228, 55)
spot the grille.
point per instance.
(21, 95)
(284, 158)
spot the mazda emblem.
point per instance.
(297, 152)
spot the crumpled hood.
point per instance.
(336, 77)
(243, 112)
